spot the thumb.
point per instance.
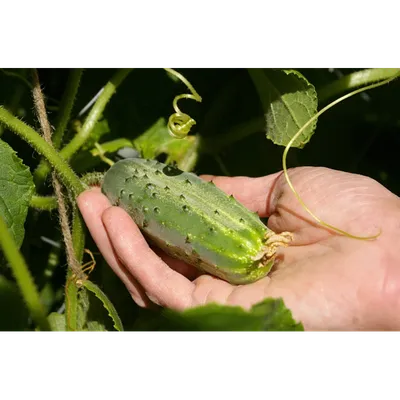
(257, 194)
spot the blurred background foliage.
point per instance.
(359, 135)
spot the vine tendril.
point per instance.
(179, 123)
(311, 120)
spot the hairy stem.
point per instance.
(70, 249)
(78, 233)
(47, 203)
(22, 78)
(72, 261)
(71, 289)
(355, 79)
(23, 277)
(63, 117)
(27, 133)
(62, 207)
(95, 113)
(71, 303)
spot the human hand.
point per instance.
(328, 281)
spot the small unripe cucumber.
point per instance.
(193, 220)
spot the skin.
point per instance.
(330, 282)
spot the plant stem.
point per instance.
(27, 133)
(19, 76)
(71, 303)
(355, 79)
(66, 105)
(112, 146)
(71, 289)
(214, 144)
(15, 99)
(78, 233)
(47, 203)
(63, 117)
(95, 113)
(23, 277)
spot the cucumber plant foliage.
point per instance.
(158, 115)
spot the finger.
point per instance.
(180, 266)
(272, 197)
(163, 285)
(92, 203)
(335, 197)
(254, 193)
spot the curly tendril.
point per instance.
(319, 221)
(179, 123)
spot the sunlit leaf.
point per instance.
(288, 101)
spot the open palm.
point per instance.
(330, 282)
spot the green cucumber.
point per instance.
(193, 220)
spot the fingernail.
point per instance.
(153, 299)
(138, 300)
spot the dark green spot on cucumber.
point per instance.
(170, 170)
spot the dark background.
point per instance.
(360, 135)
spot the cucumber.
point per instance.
(193, 220)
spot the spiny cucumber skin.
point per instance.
(190, 219)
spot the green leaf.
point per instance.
(89, 317)
(14, 315)
(288, 101)
(267, 317)
(96, 326)
(112, 312)
(16, 190)
(57, 322)
(157, 140)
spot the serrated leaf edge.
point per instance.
(112, 312)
